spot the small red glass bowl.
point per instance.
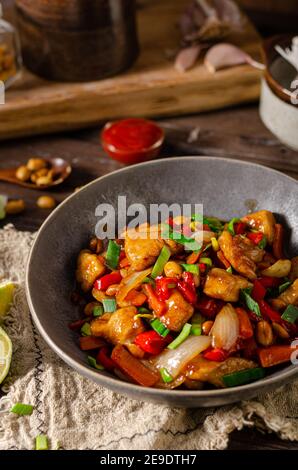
(132, 140)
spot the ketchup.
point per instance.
(132, 140)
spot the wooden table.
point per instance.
(234, 133)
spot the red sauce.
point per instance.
(132, 140)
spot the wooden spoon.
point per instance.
(61, 171)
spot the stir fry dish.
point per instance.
(158, 315)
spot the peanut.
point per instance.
(206, 327)
(15, 206)
(22, 173)
(96, 245)
(44, 180)
(173, 269)
(264, 333)
(35, 164)
(280, 331)
(46, 202)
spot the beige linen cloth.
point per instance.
(79, 414)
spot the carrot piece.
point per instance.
(277, 246)
(245, 326)
(223, 259)
(124, 263)
(155, 304)
(132, 367)
(136, 298)
(193, 257)
(90, 342)
(274, 355)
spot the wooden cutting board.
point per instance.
(151, 88)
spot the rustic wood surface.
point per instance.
(235, 133)
(151, 88)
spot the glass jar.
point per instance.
(10, 56)
(77, 40)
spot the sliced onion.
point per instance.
(132, 281)
(225, 330)
(174, 360)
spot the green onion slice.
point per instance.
(165, 375)
(159, 327)
(284, 287)
(86, 329)
(196, 330)
(98, 311)
(189, 243)
(22, 410)
(243, 377)
(3, 202)
(263, 243)
(191, 268)
(206, 261)
(109, 305)
(230, 270)
(251, 304)
(290, 314)
(41, 442)
(196, 324)
(163, 258)
(92, 362)
(213, 222)
(113, 253)
(233, 221)
(185, 332)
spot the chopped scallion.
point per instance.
(41, 442)
(263, 243)
(86, 329)
(109, 305)
(92, 362)
(185, 332)
(215, 244)
(113, 253)
(290, 314)
(159, 327)
(284, 287)
(250, 303)
(191, 268)
(206, 261)
(196, 330)
(189, 243)
(22, 410)
(233, 221)
(163, 258)
(243, 377)
(229, 270)
(98, 311)
(165, 375)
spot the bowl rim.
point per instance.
(127, 387)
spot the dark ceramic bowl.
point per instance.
(227, 188)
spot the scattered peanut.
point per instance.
(22, 173)
(96, 245)
(112, 290)
(15, 206)
(35, 164)
(46, 202)
(42, 172)
(88, 310)
(206, 327)
(280, 331)
(44, 180)
(264, 333)
(173, 269)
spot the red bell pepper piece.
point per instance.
(268, 312)
(209, 308)
(267, 281)
(240, 228)
(136, 298)
(77, 325)
(202, 267)
(255, 237)
(273, 355)
(88, 343)
(206, 228)
(277, 246)
(155, 304)
(187, 291)
(193, 257)
(216, 354)
(189, 279)
(245, 326)
(109, 279)
(151, 342)
(164, 286)
(258, 291)
(104, 359)
(124, 263)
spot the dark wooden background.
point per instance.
(234, 133)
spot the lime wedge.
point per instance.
(5, 354)
(6, 298)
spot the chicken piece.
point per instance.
(120, 327)
(288, 297)
(263, 221)
(201, 368)
(241, 252)
(225, 286)
(178, 312)
(89, 268)
(143, 246)
(294, 269)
